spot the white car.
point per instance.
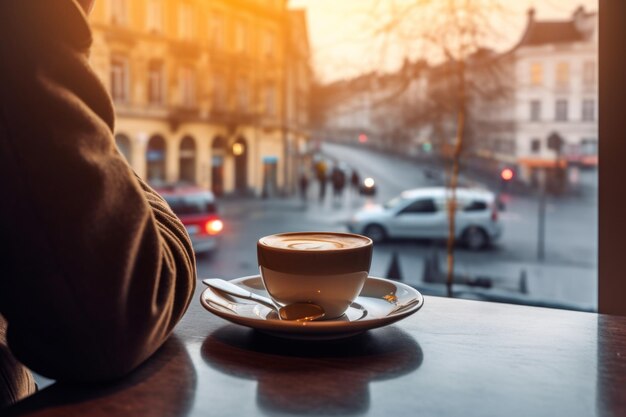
(422, 213)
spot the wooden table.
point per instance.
(452, 358)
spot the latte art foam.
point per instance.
(314, 241)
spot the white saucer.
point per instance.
(380, 303)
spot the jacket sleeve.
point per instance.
(95, 268)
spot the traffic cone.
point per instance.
(395, 272)
(432, 272)
(523, 282)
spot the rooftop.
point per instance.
(579, 28)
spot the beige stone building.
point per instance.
(213, 93)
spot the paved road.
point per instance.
(567, 276)
(571, 223)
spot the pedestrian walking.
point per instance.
(303, 184)
(338, 178)
(320, 170)
(355, 180)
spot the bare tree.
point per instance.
(454, 33)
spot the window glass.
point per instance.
(426, 205)
(536, 74)
(270, 100)
(589, 73)
(156, 82)
(535, 145)
(120, 79)
(216, 30)
(187, 87)
(562, 75)
(154, 18)
(191, 204)
(560, 110)
(242, 94)
(220, 96)
(185, 21)
(241, 36)
(275, 94)
(476, 205)
(589, 110)
(119, 12)
(268, 43)
(535, 110)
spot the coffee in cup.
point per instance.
(324, 268)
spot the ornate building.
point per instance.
(213, 93)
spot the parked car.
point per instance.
(197, 210)
(422, 213)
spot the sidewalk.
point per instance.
(524, 282)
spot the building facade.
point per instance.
(544, 87)
(205, 92)
(556, 94)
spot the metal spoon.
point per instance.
(295, 311)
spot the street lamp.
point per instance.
(238, 149)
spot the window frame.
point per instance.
(154, 16)
(269, 100)
(588, 110)
(188, 86)
(269, 43)
(241, 36)
(186, 21)
(407, 208)
(217, 30)
(535, 146)
(562, 75)
(558, 115)
(589, 73)
(220, 92)
(535, 110)
(119, 13)
(242, 94)
(156, 66)
(612, 99)
(125, 98)
(536, 74)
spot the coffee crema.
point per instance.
(314, 241)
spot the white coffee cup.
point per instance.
(324, 268)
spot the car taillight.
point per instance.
(214, 227)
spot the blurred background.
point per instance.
(254, 117)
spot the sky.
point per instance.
(343, 45)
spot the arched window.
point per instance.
(218, 152)
(155, 157)
(240, 152)
(187, 160)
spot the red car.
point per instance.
(197, 210)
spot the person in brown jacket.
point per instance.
(95, 269)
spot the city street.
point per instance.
(566, 277)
